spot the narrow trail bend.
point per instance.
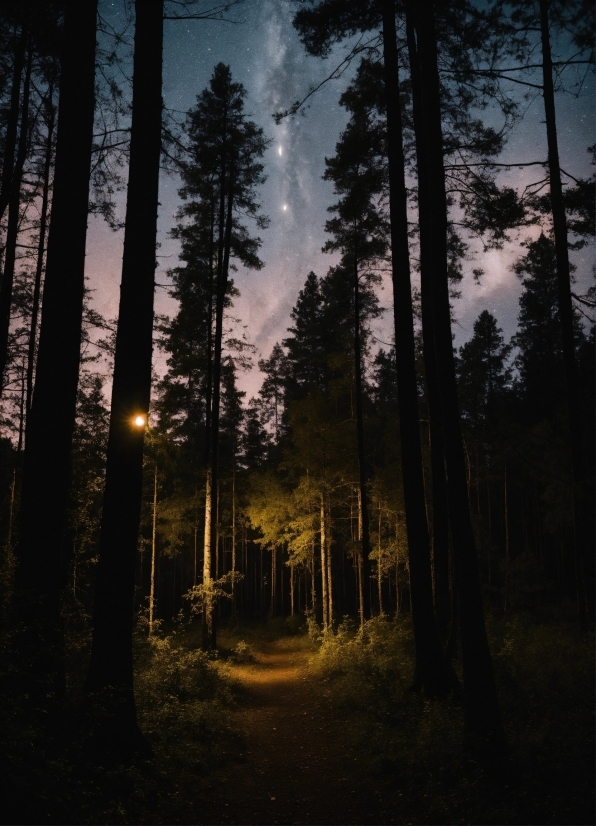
(299, 766)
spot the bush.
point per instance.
(545, 679)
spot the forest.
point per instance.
(364, 594)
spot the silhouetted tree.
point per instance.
(46, 472)
(110, 678)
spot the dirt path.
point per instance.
(298, 767)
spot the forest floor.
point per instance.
(301, 764)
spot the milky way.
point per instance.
(265, 54)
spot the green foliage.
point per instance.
(544, 674)
(184, 700)
(181, 695)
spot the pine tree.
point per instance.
(220, 181)
(483, 375)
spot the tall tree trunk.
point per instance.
(273, 606)
(209, 371)
(207, 601)
(363, 500)
(324, 592)
(110, 671)
(482, 714)
(153, 551)
(507, 549)
(329, 570)
(440, 510)
(379, 578)
(12, 123)
(583, 509)
(234, 536)
(358, 566)
(50, 424)
(222, 286)
(12, 230)
(43, 217)
(431, 674)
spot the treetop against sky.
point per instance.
(265, 54)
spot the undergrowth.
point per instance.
(184, 700)
(544, 673)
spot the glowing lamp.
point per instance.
(139, 421)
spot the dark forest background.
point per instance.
(447, 492)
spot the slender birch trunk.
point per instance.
(324, 592)
(329, 570)
(153, 548)
(359, 565)
(507, 566)
(379, 581)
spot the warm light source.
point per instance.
(139, 421)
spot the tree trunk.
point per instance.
(111, 668)
(329, 573)
(324, 591)
(234, 538)
(207, 606)
(50, 424)
(273, 581)
(440, 511)
(222, 285)
(379, 579)
(507, 559)
(582, 508)
(365, 522)
(431, 673)
(359, 577)
(12, 230)
(153, 550)
(40, 251)
(12, 123)
(482, 714)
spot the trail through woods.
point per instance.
(299, 765)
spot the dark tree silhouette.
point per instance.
(482, 714)
(432, 674)
(583, 508)
(50, 425)
(14, 208)
(110, 679)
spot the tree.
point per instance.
(46, 471)
(359, 232)
(483, 375)
(431, 673)
(584, 524)
(540, 360)
(482, 713)
(110, 679)
(220, 180)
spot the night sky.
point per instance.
(265, 54)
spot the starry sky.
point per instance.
(266, 56)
